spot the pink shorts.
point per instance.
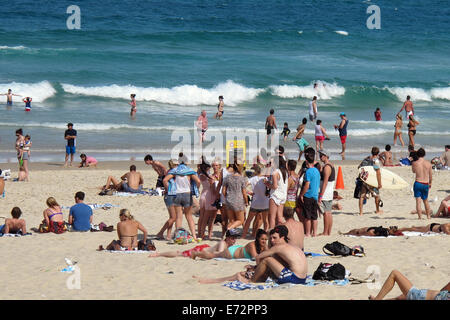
(320, 138)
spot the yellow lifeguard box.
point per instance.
(236, 149)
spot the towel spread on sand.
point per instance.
(14, 234)
(97, 206)
(128, 251)
(405, 233)
(238, 285)
(307, 254)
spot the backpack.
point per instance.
(358, 186)
(182, 236)
(329, 272)
(337, 249)
(366, 162)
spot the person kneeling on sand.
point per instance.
(130, 182)
(444, 208)
(249, 251)
(87, 161)
(409, 292)
(282, 261)
(127, 231)
(14, 224)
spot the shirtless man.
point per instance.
(202, 126)
(445, 157)
(408, 106)
(159, 168)
(282, 261)
(295, 228)
(202, 251)
(386, 156)
(14, 224)
(9, 96)
(270, 124)
(313, 109)
(219, 113)
(133, 183)
(423, 170)
(301, 142)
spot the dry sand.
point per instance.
(31, 265)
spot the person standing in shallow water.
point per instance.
(132, 103)
(219, 113)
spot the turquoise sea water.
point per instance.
(179, 56)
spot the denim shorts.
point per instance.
(416, 294)
(169, 200)
(183, 200)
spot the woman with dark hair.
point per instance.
(278, 193)
(21, 155)
(207, 198)
(14, 224)
(234, 190)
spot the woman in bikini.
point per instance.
(444, 208)
(14, 224)
(373, 232)
(53, 217)
(412, 129)
(127, 231)
(433, 227)
(409, 292)
(208, 196)
(132, 103)
(398, 130)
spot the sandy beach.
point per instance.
(32, 265)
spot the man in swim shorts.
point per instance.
(159, 168)
(270, 124)
(282, 261)
(424, 173)
(313, 109)
(301, 142)
(70, 135)
(408, 106)
(9, 96)
(309, 196)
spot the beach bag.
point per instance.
(148, 246)
(337, 249)
(405, 161)
(329, 272)
(358, 186)
(182, 236)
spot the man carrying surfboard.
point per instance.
(366, 189)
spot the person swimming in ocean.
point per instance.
(27, 101)
(132, 103)
(9, 95)
(219, 113)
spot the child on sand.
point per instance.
(87, 161)
(386, 156)
(14, 224)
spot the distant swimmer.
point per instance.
(27, 101)
(132, 103)
(270, 124)
(202, 126)
(313, 109)
(9, 95)
(219, 113)
(408, 106)
(377, 114)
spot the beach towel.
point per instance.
(405, 233)
(240, 286)
(95, 206)
(307, 254)
(14, 234)
(128, 251)
(183, 170)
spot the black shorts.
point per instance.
(310, 208)
(269, 130)
(159, 182)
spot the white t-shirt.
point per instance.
(260, 201)
(183, 184)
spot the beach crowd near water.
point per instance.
(272, 203)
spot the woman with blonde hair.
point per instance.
(127, 231)
(53, 218)
(398, 130)
(234, 190)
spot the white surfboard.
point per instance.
(389, 180)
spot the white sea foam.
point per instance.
(190, 95)
(13, 48)
(37, 91)
(344, 33)
(440, 93)
(417, 94)
(323, 91)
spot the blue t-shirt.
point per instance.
(313, 176)
(81, 217)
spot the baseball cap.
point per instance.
(232, 233)
(342, 114)
(325, 153)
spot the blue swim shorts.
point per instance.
(416, 294)
(287, 276)
(70, 150)
(421, 190)
(302, 144)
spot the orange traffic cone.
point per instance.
(340, 180)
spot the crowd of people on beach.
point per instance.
(273, 191)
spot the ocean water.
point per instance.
(179, 56)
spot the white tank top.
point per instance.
(318, 131)
(183, 184)
(280, 192)
(311, 108)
